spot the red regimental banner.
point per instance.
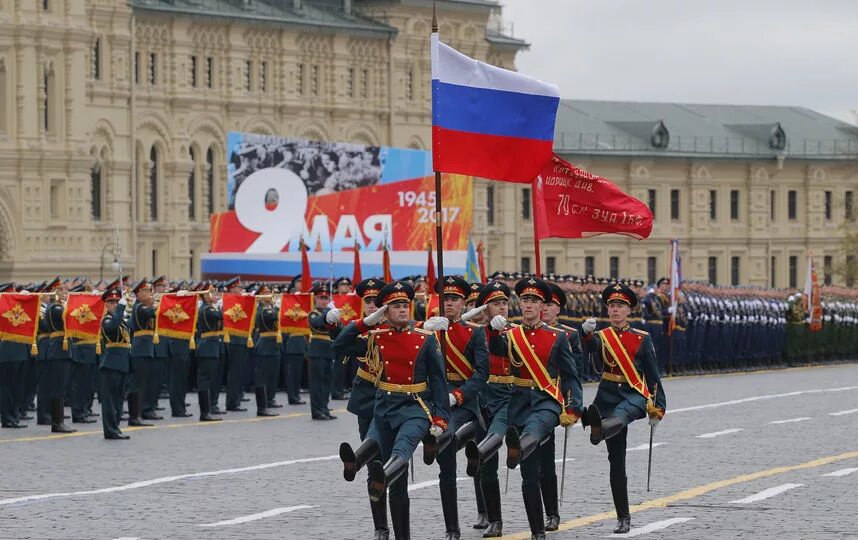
(294, 312)
(19, 317)
(239, 314)
(350, 306)
(82, 316)
(571, 203)
(177, 316)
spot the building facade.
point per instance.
(114, 114)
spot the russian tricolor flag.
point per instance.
(487, 121)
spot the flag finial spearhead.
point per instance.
(434, 20)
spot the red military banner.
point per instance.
(82, 316)
(571, 203)
(239, 315)
(350, 306)
(19, 317)
(177, 316)
(433, 306)
(294, 312)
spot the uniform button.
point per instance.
(410, 363)
(381, 347)
(386, 363)
(388, 393)
(409, 332)
(417, 346)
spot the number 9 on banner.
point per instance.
(276, 225)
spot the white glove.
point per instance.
(588, 326)
(332, 316)
(123, 301)
(474, 312)
(498, 322)
(452, 400)
(436, 323)
(435, 431)
(672, 310)
(375, 318)
(331, 305)
(25, 291)
(219, 304)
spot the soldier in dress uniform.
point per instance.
(159, 375)
(267, 352)
(343, 285)
(58, 364)
(411, 399)
(295, 351)
(547, 390)
(546, 451)
(320, 353)
(208, 353)
(236, 359)
(180, 358)
(352, 342)
(483, 460)
(142, 326)
(467, 366)
(13, 363)
(630, 389)
(115, 363)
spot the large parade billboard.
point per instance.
(332, 196)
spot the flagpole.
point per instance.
(439, 234)
(534, 217)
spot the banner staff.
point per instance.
(534, 216)
(439, 234)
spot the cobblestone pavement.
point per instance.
(762, 455)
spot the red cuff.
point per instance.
(440, 422)
(587, 337)
(362, 328)
(460, 397)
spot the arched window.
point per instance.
(210, 179)
(192, 187)
(153, 184)
(95, 187)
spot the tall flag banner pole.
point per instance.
(439, 233)
(535, 218)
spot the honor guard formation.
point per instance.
(454, 367)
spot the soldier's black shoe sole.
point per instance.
(347, 455)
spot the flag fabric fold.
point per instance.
(306, 278)
(356, 273)
(812, 299)
(482, 262)
(675, 283)
(472, 266)
(350, 306)
(488, 121)
(82, 317)
(385, 263)
(571, 203)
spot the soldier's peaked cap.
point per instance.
(398, 291)
(493, 290)
(619, 292)
(535, 287)
(369, 288)
(557, 295)
(453, 286)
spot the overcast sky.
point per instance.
(749, 52)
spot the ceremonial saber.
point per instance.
(651, 433)
(119, 256)
(565, 446)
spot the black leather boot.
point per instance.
(477, 454)
(518, 448)
(492, 496)
(379, 517)
(465, 433)
(134, 410)
(57, 425)
(206, 407)
(533, 507)
(548, 485)
(400, 517)
(605, 429)
(450, 507)
(482, 519)
(262, 403)
(381, 476)
(619, 490)
(354, 460)
(432, 446)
